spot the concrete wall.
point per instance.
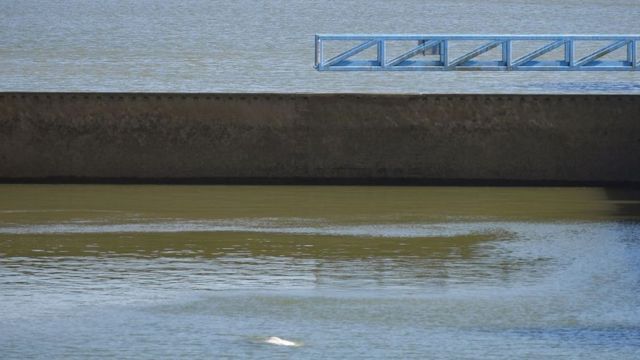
(243, 138)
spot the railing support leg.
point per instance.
(506, 53)
(570, 53)
(632, 53)
(444, 53)
(381, 53)
(320, 53)
(315, 61)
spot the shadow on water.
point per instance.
(626, 202)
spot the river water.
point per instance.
(91, 271)
(258, 46)
(338, 272)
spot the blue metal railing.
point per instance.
(434, 52)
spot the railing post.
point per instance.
(315, 61)
(381, 53)
(444, 53)
(570, 53)
(320, 53)
(506, 53)
(632, 53)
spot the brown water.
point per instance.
(356, 272)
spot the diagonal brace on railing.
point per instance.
(479, 51)
(602, 52)
(413, 52)
(539, 52)
(349, 53)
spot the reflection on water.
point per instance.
(376, 272)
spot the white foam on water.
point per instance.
(282, 226)
(274, 340)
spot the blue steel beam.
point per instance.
(537, 53)
(413, 52)
(526, 62)
(351, 52)
(475, 52)
(601, 52)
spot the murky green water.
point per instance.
(344, 272)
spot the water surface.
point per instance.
(258, 46)
(356, 272)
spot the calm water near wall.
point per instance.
(357, 272)
(257, 46)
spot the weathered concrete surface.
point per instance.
(319, 138)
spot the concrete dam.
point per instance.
(319, 138)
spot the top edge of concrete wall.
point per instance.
(161, 93)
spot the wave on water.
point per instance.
(240, 225)
(283, 226)
(315, 227)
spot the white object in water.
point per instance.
(274, 340)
